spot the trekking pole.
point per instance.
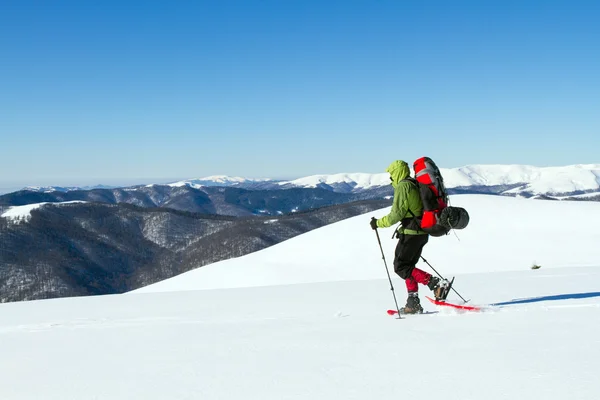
(388, 274)
(431, 266)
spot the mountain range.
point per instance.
(58, 242)
(78, 249)
(518, 179)
(512, 180)
(238, 196)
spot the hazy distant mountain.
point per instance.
(221, 180)
(231, 201)
(50, 189)
(497, 179)
(240, 197)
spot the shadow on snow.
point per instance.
(568, 296)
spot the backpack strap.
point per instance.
(412, 222)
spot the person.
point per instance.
(406, 208)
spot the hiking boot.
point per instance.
(433, 283)
(439, 287)
(413, 304)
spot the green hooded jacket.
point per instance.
(406, 197)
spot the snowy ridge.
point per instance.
(319, 255)
(216, 180)
(530, 179)
(355, 181)
(51, 189)
(23, 213)
(534, 180)
(526, 179)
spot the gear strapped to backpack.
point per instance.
(438, 217)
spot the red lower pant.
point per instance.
(417, 276)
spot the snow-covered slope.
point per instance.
(23, 213)
(334, 340)
(504, 234)
(534, 180)
(312, 341)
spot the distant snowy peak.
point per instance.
(534, 180)
(48, 189)
(573, 179)
(335, 182)
(64, 189)
(507, 179)
(351, 182)
(217, 180)
(582, 178)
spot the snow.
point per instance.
(348, 249)
(311, 322)
(359, 180)
(216, 180)
(547, 180)
(313, 341)
(536, 180)
(46, 189)
(23, 213)
(51, 189)
(580, 196)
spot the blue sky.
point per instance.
(112, 91)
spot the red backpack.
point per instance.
(438, 217)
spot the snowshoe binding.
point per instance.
(440, 287)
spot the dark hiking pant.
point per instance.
(408, 253)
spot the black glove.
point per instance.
(373, 223)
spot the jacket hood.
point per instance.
(398, 170)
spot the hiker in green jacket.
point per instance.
(406, 208)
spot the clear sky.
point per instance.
(105, 91)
